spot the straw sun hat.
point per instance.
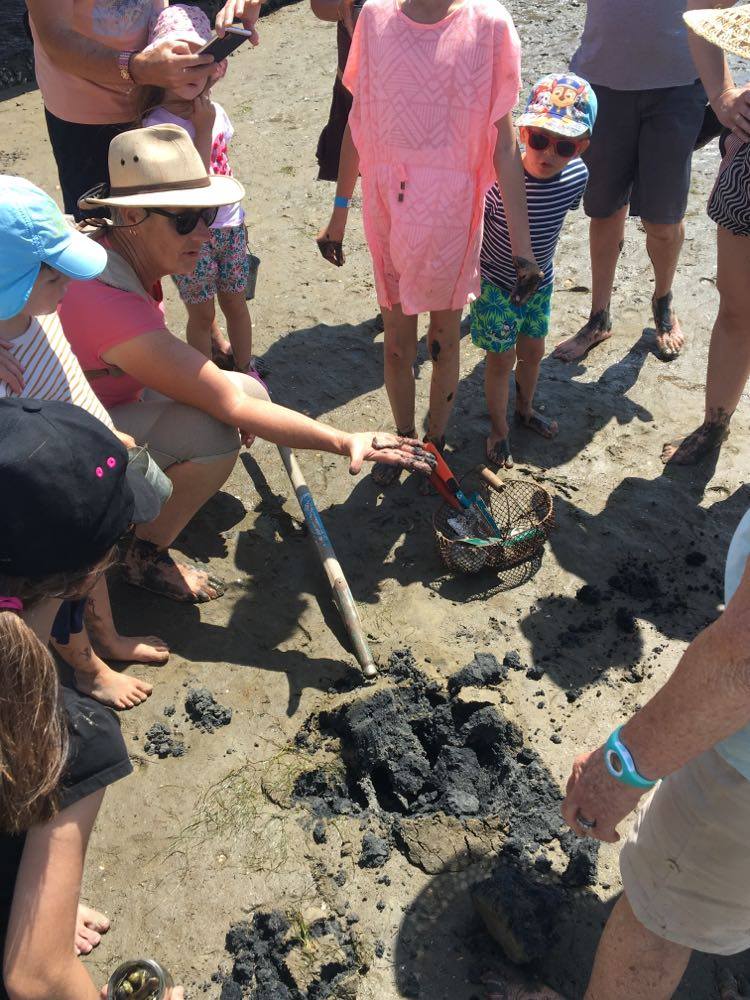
(729, 29)
(158, 167)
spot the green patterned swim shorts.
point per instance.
(496, 324)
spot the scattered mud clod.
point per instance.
(588, 594)
(162, 742)
(375, 851)
(205, 712)
(521, 911)
(276, 958)
(484, 669)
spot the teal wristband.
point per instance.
(620, 764)
(340, 202)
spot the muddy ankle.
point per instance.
(663, 313)
(599, 322)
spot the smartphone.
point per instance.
(220, 48)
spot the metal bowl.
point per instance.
(152, 969)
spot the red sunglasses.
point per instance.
(565, 148)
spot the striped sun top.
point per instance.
(549, 202)
(50, 369)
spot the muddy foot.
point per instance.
(221, 351)
(696, 446)
(112, 688)
(90, 925)
(145, 565)
(669, 336)
(498, 453)
(503, 988)
(537, 422)
(598, 328)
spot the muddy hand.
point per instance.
(529, 277)
(330, 242)
(390, 449)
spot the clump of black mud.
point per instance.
(205, 712)
(412, 750)
(280, 959)
(161, 742)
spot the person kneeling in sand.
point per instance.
(555, 130)
(39, 254)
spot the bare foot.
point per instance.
(537, 422)
(131, 648)
(669, 336)
(221, 350)
(112, 688)
(497, 450)
(701, 442)
(146, 565)
(598, 328)
(90, 925)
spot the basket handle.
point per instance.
(489, 477)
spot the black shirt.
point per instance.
(96, 758)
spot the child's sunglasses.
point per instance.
(566, 148)
(185, 222)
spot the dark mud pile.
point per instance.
(275, 958)
(412, 751)
(162, 742)
(204, 711)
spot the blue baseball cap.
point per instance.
(562, 104)
(33, 232)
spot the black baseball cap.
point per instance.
(67, 493)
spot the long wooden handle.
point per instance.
(342, 595)
(489, 477)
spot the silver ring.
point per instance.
(587, 824)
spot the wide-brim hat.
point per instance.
(159, 167)
(729, 29)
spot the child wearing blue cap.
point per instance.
(555, 130)
(39, 254)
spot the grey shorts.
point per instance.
(686, 862)
(175, 432)
(641, 150)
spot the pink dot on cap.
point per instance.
(111, 462)
(99, 471)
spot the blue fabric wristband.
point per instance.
(340, 202)
(620, 764)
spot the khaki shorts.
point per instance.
(686, 863)
(175, 432)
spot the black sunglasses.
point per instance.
(185, 222)
(563, 147)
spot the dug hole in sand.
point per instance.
(193, 845)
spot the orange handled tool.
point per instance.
(444, 481)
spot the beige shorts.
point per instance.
(175, 432)
(686, 863)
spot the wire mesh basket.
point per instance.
(524, 513)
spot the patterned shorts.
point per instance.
(496, 324)
(222, 267)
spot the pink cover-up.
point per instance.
(426, 99)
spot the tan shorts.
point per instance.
(686, 863)
(176, 432)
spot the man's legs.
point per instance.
(632, 963)
(728, 355)
(81, 154)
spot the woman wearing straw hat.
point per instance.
(729, 207)
(159, 389)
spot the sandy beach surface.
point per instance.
(190, 845)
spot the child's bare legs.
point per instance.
(443, 343)
(497, 371)
(239, 326)
(399, 355)
(200, 324)
(92, 675)
(529, 354)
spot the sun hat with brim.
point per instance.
(561, 103)
(159, 167)
(33, 232)
(729, 29)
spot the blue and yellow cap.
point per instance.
(33, 232)
(561, 103)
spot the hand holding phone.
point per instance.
(220, 48)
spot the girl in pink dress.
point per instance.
(434, 84)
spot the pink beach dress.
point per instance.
(426, 99)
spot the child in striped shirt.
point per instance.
(555, 130)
